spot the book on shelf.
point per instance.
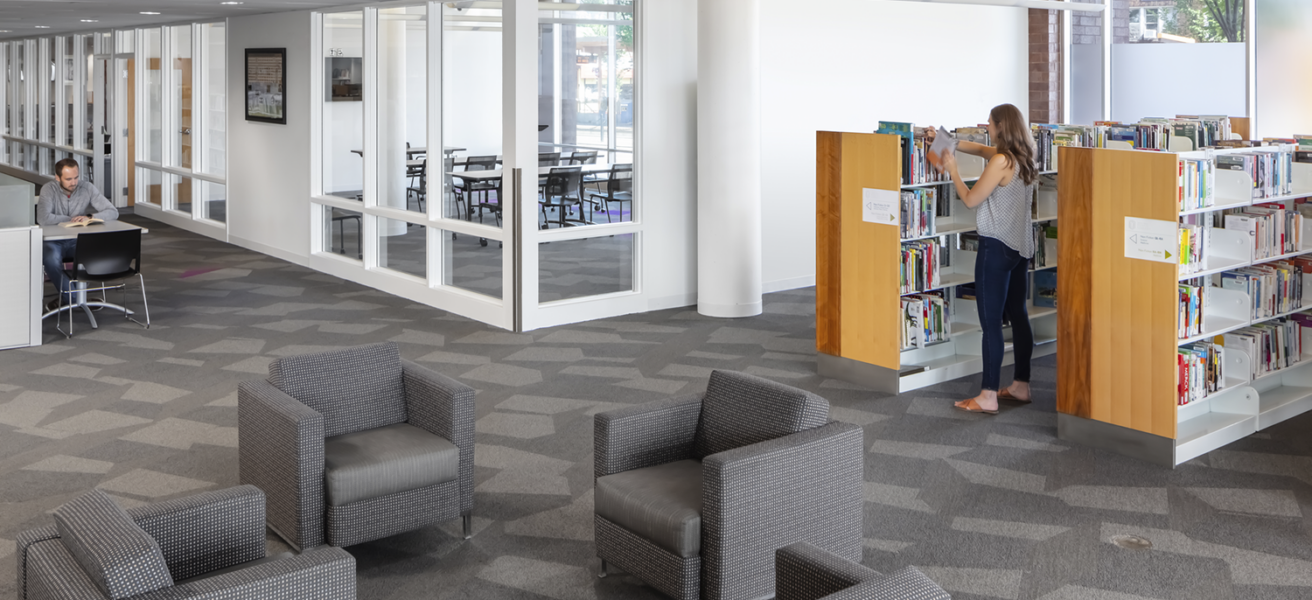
(1197, 183)
(1045, 246)
(1045, 288)
(1202, 371)
(1270, 168)
(1273, 288)
(1270, 346)
(921, 265)
(1190, 320)
(978, 135)
(920, 207)
(1276, 228)
(925, 319)
(914, 148)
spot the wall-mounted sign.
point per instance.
(266, 84)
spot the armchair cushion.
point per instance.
(354, 389)
(378, 462)
(741, 409)
(903, 584)
(662, 504)
(121, 558)
(236, 567)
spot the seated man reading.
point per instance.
(68, 198)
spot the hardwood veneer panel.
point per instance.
(870, 268)
(1074, 280)
(829, 242)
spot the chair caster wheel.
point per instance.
(482, 242)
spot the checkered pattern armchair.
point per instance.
(804, 572)
(695, 493)
(356, 445)
(208, 546)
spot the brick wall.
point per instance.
(1045, 66)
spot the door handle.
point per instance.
(185, 131)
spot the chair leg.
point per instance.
(145, 306)
(469, 525)
(603, 573)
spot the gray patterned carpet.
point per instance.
(990, 507)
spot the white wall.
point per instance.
(269, 165)
(1086, 83)
(1284, 68)
(861, 62)
(1164, 80)
(472, 91)
(667, 170)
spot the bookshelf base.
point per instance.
(916, 376)
(1114, 438)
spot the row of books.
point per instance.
(1273, 288)
(1276, 228)
(1202, 371)
(1197, 183)
(1270, 346)
(921, 266)
(1045, 246)
(1270, 167)
(1195, 234)
(1190, 320)
(919, 209)
(914, 146)
(925, 319)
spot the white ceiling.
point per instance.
(65, 16)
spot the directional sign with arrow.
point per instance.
(1151, 239)
(881, 207)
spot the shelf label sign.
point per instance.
(882, 207)
(1152, 239)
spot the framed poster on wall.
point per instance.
(266, 81)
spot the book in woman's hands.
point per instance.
(943, 143)
(91, 221)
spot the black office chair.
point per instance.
(339, 218)
(583, 158)
(106, 260)
(467, 189)
(548, 159)
(619, 188)
(562, 191)
(420, 192)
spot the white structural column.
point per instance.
(728, 158)
(391, 119)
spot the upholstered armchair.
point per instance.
(207, 546)
(356, 445)
(804, 572)
(695, 493)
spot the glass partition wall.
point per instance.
(415, 191)
(44, 80)
(180, 73)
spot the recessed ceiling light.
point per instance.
(148, 12)
(6, 31)
(42, 26)
(90, 20)
(230, 2)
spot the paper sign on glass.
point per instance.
(880, 206)
(1151, 239)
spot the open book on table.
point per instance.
(91, 221)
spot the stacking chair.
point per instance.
(102, 262)
(420, 191)
(619, 188)
(562, 191)
(209, 545)
(467, 189)
(804, 572)
(695, 493)
(339, 218)
(583, 158)
(355, 445)
(548, 159)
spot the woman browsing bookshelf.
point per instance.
(1001, 198)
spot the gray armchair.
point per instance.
(356, 445)
(208, 546)
(804, 572)
(695, 493)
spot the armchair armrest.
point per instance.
(645, 435)
(208, 531)
(804, 572)
(804, 487)
(325, 574)
(23, 543)
(444, 407)
(280, 450)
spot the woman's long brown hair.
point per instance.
(1014, 141)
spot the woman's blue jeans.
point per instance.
(1001, 287)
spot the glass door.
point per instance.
(103, 88)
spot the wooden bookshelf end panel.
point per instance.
(828, 239)
(870, 268)
(1074, 281)
(1118, 322)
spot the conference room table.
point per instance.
(495, 174)
(52, 233)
